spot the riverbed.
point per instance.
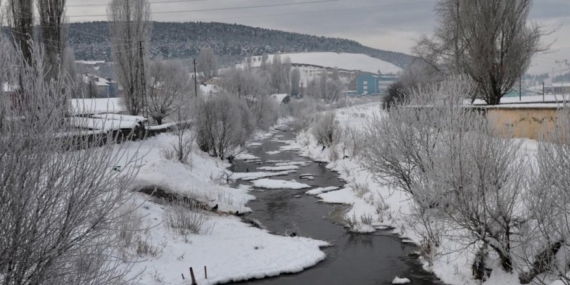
(353, 258)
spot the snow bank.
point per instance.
(96, 106)
(376, 206)
(399, 280)
(233, 251)
(318, 191)
(200, 180)
(279, 168)
(247, 176)
(279, 184)
(246, 156)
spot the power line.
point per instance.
(150, 2)
(220, 9)
(312, 12)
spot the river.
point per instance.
(354, 258)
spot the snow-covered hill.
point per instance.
(346, 61)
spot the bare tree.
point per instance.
(334, 87)
(295, 82)
(264, 62)
(276, 73)
(248, 63)
(169, 83)
(490, 41)
(545, 239)
(223, 125)
(454, 166)
(52, 23)
(59, 206)
(20, 18)
(130, 27)
(245, 83)
(323, 83)
(207, 63)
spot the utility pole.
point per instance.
(520, 89)
(543, 92)
(195, 79)
(143, 81)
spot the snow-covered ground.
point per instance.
(279, 184)
(346, 61)
(536, 99)
(229, 248)
(375, 206)
(96, 105)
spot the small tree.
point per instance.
(223, 125)
(334, 87)
(168, 84)
(295, 82)
(323, 83)
(396, 95)
(207, 63)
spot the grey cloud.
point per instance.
(385, 24)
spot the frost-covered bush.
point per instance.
(547, 230)
(454, 166)
(326, 129)
(223, 125)
(181, 150)
(186, 219)
(395, 95)
(60, 221)
(265, 113)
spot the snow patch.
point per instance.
(279, 184)
(248, 176)
(322, 190)
(399, 280)
(279, 168)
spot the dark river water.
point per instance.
(354, 258)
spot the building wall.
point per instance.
(376, 84)
(525, 122)
(366, 84)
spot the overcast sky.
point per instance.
(385, 24)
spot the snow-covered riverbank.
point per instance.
(230, 249)
(376, 206)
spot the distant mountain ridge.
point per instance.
(231, 42)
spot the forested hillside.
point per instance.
(231, 42)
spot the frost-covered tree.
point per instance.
(130, 27)
(20, 17)
(223, 125)
(207, 63)
(491, 41)
(169, 84)
(334, 87)
(455, 167)
(295, 82)
(264, 62)
(54, 33)
(59, 206)
(323, 83)
(546, 231)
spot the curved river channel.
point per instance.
(354, 258)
